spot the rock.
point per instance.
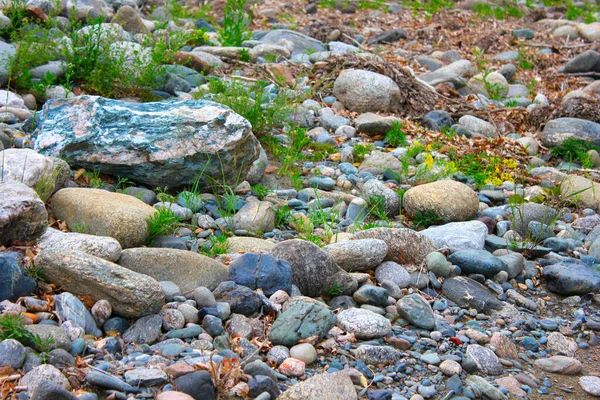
(558, 130)
(478, 127)
(147, 377)
(99, 246)
(128, 18)
(583, 191)
(448, 200)
(186, 269)
(457, 236)
(363, 323)
(390, 36)
(503, 346)
(571, 278)
(453, 73)
(357, 255)
(486, 388)
(56, 336)
(379, 162)
(255, 216)
(371, 354)
(300, 321)
(313, 270)
(260, 384)
(292, 367)
(565, 32)
(478, 262)
(70, 308)
(438, 265)
(320, 386)
(198, 385)
(258, 167)
(589, 32)
(562, 345)
(304, 352)
(588, 61)
(241, 299)
(416, 310)
(23, 216)
(366, 91)
(241, 244)
(514, 262)
(174, 140)
(132, 295)
(44, 174)
(106, 381)
(437, 119)
(485, 359)
(591, 385)
(103, 213)
(145, 330)
(85, 9)
(35, 378)
(14, 281)
(261, 271)
(523, 214)
(405, 246)
(559, 365)
(450, 368)
(12, 353)
(481, 83)
(390, 271)
(470, 294)
(172, 395)
(301, 42)
(373, 124)
(377, 193)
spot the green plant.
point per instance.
(498, 11)
(34, 272)
(372, 5)
(12, 327)
(327, 4)
(429, 7)
(217, 244)
(260, 191)
(511, 103)
(163, 222)
(426, 218)
(525, 61)
(448, 132)
(236, 21)
(45, 185)
(494, 90)
(573, 149)
(531, 87)
(123, 184)
(283, 215)
(333, 290)
(480, 58)
(377, 207)
(359, 151)
(79, 227)
(94, 179)
(163, 196)
(395, 136)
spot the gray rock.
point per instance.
(588, 61)
(6, 51)
(12, 353)
(591, 385)
(571, 278)
(302, 43)
(23, 216)
(478, 262)
(59, 338)
(453, 73)
(487, 389)
(405, 246)
(373, 124)
(320, 386)
(371, 295)
(390, 271)
(377, 193)
(145, 330)
(241, 299)
(186, 269)
(470, 294)
(131, 294)
(70, 308)
(514, 262)
(174, 140)
(255, 216)
(145, 377)
(560, 365)
(374, 355)
(478, 127)
(357, 255)
(487, 362)
(437, 119)
(390, 36)
(261, 271)
(438, 265)
(300, 321)
(99, 246)
(14, 282)
(313, 270)
(34, 379)
(44, 174)
(558, 130)
(107, 381)
(416, 310)
(379, 162)
(449, 200)
(363, 323)
(49, 390)
(366, 91)
(82, 10)
(583, 191)
(522, 215)
(457, 236)
(257, 169)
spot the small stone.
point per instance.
(292, 367)
(304, 352)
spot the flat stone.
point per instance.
(100, 246)
(556, 131)
(145, 377)
(320, 386)
(477, 262)
(485, 359)
(591, 385)
(363, 323)
(145, 330)
(560, 365)
(301, 321)
(457, 236)
(571, 278)
(357, 255)
(449, 200)
(240, 244)
(14, 281)
(468, 293)
(366, 91)
(416, 310)
(374, 355)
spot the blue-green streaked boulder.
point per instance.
(169, 143)
(300, 321)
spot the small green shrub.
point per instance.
(236, 22)
(573, 149)
(163, 222)
(360, 151)
(335, 289)
(283, 215)
(426, 218)
(396, 137)
(377, 207)
(260, 191)
(217, 244)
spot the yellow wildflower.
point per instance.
(509, 163)
(429, 161)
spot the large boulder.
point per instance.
(130, 294)
(558, 130)
(261, 271)
(588, 61)
(313, 270)
(186, 269)
(23, 216)
(449, 200)
(99, 246)
(171, 143)
(102, 213)
(44, 174)
(366, 91)
(405, 246)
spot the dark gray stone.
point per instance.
(241, 299)
(388, 37)
(14, 282)
(571, 278)
(302, 43)
(145, 330)
(260, 384)
(70, 308)
(106, 381)
(588, 61)
(470, 294)
(478, 262)
(261, 271)
(558, 130)
(437, 119)
(157, 144)
(198, 384)
(416, 310)
(12, 353)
